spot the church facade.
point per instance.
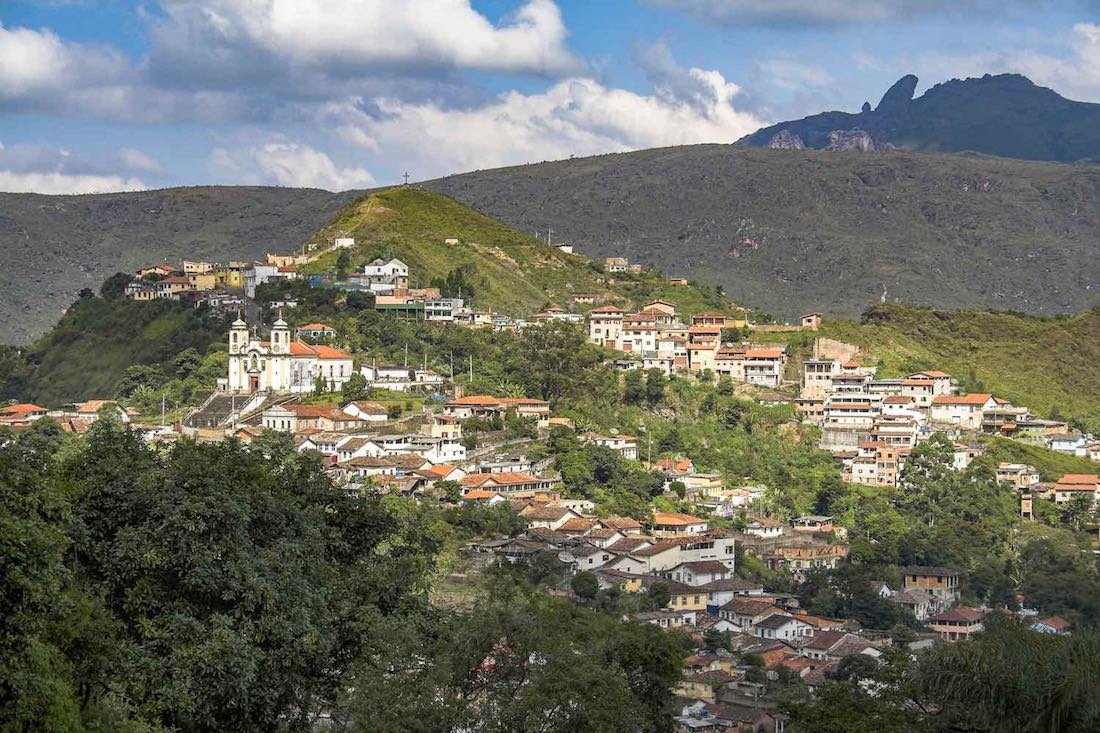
(281, 364)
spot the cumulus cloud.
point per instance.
(817, 12)
(289, 164)
(43, 169)
(577, 116)
(350, 37)
(1075, 74)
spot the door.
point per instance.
(253, 383)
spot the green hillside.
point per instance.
(1048, 364)
(86, 353)
(510, 271)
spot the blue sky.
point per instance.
(99, 95)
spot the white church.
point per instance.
(281, 364)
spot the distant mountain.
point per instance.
(796, 230)
(1005, 115)
(53, 246)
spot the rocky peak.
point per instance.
(898, 97)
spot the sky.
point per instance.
(110, 95)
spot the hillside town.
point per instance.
(408, 430)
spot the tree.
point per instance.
(187, 362)
(449, 490)
(114, 287)
(1079, 510)
(655, 386)
(320, 386)
(343, 265)
(138, 376)
(659, 596)
(355, 388)
(585, 586)
(229, 577)
(633, 388)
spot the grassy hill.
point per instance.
(789, 231)
(53, 246)
(511, 272)
(1043, 363)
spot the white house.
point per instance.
(963, 411)
(385, 276)
(366, 411)
(783, 627)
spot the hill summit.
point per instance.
(1005, 115)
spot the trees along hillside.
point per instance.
(217, 587)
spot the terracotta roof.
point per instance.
(504, 478)
(1079, 479)
(764, 353)
(607, 309)
(479, 495)
(481, 400)
(93, 405)
(1056, 622)
(959, 613)
(316, 327)
(978, 398)
(675, 519)
(546, 513)
(371, 408)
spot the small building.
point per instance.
(942, 583)
(810, 321)
(957, 624)
(674, 524)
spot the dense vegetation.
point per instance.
(88, 353)
(213, 587)
(792, 231)
(1007, 679)
(53, 246)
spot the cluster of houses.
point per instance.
(871, 424)
(76, 418)
(658, 339)
(212, 283)
(695, 566)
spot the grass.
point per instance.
(512, 272)
(1050, 365)
(1050, 464)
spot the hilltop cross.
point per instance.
(406, 178)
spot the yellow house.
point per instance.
(229, 277)
(203, 280)
(685, 597)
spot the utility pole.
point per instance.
(548, 232)
(406, 354)
(471, 367)
(452, 365)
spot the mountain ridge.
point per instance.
(54, 246)
(1005, 115)
(789, 231)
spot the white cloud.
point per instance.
(577, 116)
(138, 161)
(348, 36)
(65, 183)
(38, 62)
(1076, 74)
(45, 169)
(289, 164)
(814, 12)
